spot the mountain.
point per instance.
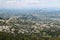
(35, 14)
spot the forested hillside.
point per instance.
(18, 28)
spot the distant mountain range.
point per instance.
(30, 13)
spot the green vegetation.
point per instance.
(9, 36)
(19, 29)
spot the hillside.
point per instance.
(21, 28)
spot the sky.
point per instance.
(29, 3)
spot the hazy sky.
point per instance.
(30, 3)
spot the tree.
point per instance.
(53, 31)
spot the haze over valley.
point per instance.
(31, 13)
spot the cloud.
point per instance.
(29, 3)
